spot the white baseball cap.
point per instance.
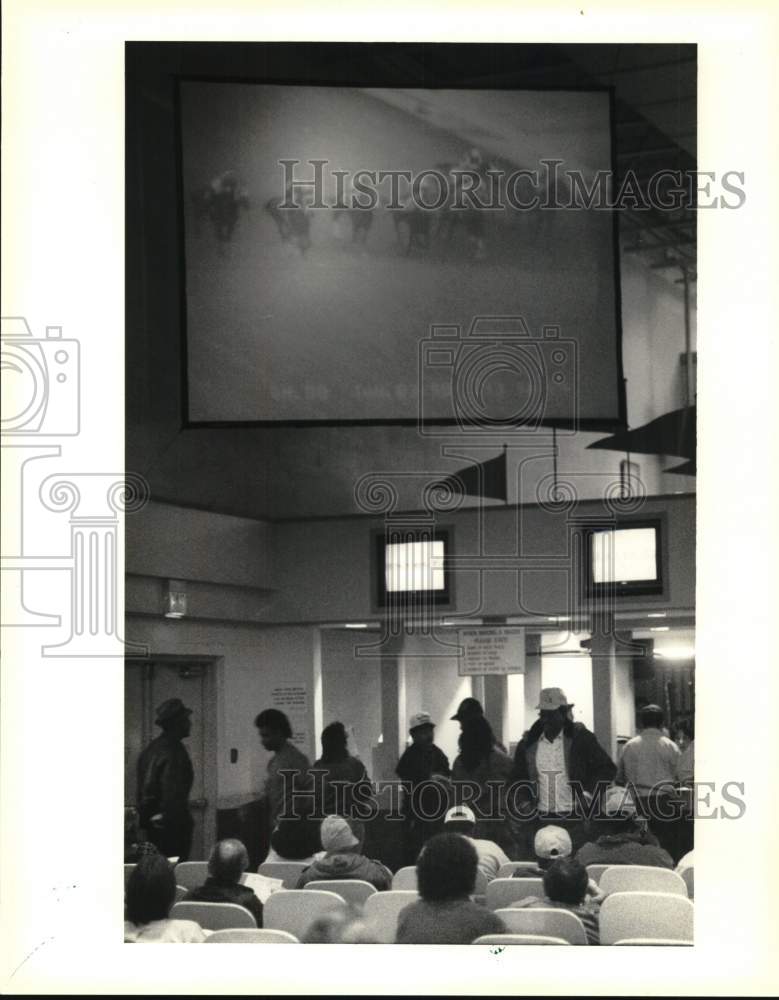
(460, 814)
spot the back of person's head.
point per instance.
(460, 819)
(651, 717)
(228, 861)
(446, 868)
(338, 835)
(685, 727)
(476, 741)
(334, 740)
(551, 843)
(272, 718)
(566, 881)
(296, 837)
(151, 889)
(617, 814)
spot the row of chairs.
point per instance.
(615, 878)
(623, 915)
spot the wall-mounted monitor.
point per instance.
(625, 559)
(411, 567)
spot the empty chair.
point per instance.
(191, 874)
(214, 916)
(383, 910)
(519, 939)
(405, 879)
(295, 910)
(688, 877)
(645, 915)
(353, 891)
(641, 878)
(654, 942)
(596, 872)
(507, 870)
(288, 871)
(249, 935)
(181, 891)
(505, 891)
(549, 922)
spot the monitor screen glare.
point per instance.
(414, 566)
(625, 555)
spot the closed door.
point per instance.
(149, 684)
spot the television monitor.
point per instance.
(626, 559)
(411, 567)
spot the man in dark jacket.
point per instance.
(424, 770)
(165, 779)
(229, 860)
(560, 766)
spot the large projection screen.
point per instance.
(349, 310)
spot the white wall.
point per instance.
(351, 690)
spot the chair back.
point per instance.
(405, 879)
(191, 874)
(519, 939)
(181, 891)
(688, 877)
(645, 915)
(507, 870)
(294, 910)
(654, 942)
(248, 935)
(288, 871)
(383, 910)
(505, 891)
(641, 878)
(353, 891)
(547, 921)
(595, 872)
(213, 916)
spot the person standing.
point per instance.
(424, 770)
(288, 769)
(471, 708)
(557, 761)
(165, 778)
(341, 773)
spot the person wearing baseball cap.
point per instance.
(165, 778)
(424, 770)
(343, 858)
(462, 819)
(560, 765)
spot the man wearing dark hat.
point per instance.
(559, 764)
(165, 779)
(424, 770)
(471, 708)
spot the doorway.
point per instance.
(147, 685)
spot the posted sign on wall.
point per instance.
(492, 651)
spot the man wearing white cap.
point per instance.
(424, 770)
(343, 857)
(461, 819)
(559, 762)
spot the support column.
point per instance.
(604, 668)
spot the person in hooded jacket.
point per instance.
(343, 857)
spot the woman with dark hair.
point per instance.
(482, 765)
(342, 774)
(445, 913)
(150, 894)
(296, 839)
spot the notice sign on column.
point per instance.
(492, 651)
(292, 700)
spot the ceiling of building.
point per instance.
(275, 473)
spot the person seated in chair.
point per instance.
(344, 858)
(228, 861)
(150, 895)
(296, 839)
(622, 839)
(461, 819)
(566, 887)
(445, 912)
(551, 843)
